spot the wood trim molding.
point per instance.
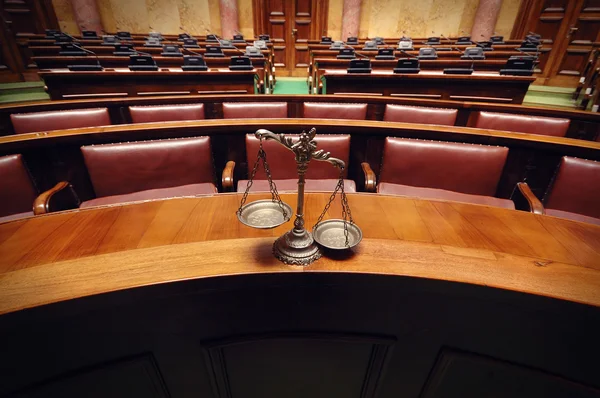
(381, 346)
(521, 22)
(320, 14)
(259, 17)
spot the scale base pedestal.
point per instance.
(296, 248)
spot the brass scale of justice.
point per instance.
(299, 246)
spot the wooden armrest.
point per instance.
(59, 197)
(227, 177)
(370, 180)
(535, 205)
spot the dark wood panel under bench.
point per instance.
(485, 87)
(124, 83)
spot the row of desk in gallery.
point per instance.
(484, 87)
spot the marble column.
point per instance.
(229, 18)
(87, 15)
(350, 19)
(485, 19)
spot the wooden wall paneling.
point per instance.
(583, 27)
(24, 19)
(252, 364)
(458, 373)
(279, 29)
(291, 23)
(553, 31)
(138, 376)
(11, 64)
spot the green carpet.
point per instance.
(24, 91)
(291, 85)
(536, 96)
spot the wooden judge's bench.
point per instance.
(121, 82)
(176, 298)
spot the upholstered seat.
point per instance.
(166, 113)
(59, 120)
(419, 114)
(145, 170)
(17, 191)
(324, 185)
(522, 123)
(443, 170)
(326, 110)
(320, 176)
(575, 191)
(152, 194)
(442, 194)
(258, 110)
(572, 216)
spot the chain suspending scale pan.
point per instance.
(297, 246)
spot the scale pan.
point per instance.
(330, 234)
(264, 214)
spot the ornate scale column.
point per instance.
(485, 19)
(87, 15)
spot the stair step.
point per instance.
(23, 97)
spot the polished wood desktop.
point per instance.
(480, 86)
(70, 255)
(64, 84)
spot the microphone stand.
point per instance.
(98, 67)
(462, 71)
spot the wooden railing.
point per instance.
(584, 125)
(55, 156)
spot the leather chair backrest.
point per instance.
(166, 113)
(325, 110)
(466, 168)
(17, 192)
(259, 110)
(128, 167)
(282, 162)
(522, 123)
(59, 120)
(419, 114)
(576, 187)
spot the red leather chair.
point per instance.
(146, 170)
(59, 120)
(522, 123)
(575, 191)
(325, 110)
(320, 176)
(419, 114)
(17, 192)
(443, 170)
(166, 113)
(258, 110)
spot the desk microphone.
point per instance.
(445, 38)
(461, 71)
(356, 65)
(240, 62)
(356, 52)
(408, 65)
(95, 68)
(196, 63)
(407, 54)
(482, 44)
